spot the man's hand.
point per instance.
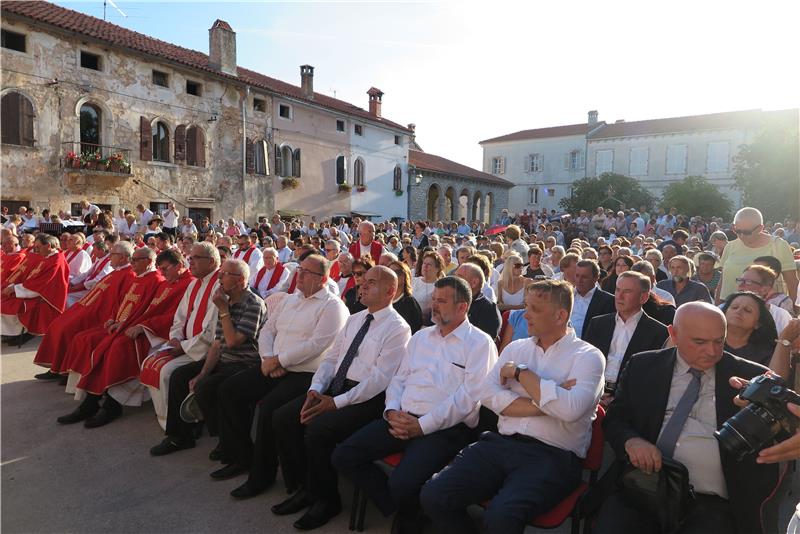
(269, 364)
(193, 381)
(134, 331)
(507, 371)
(175, 343)
(113, 327)
(785, 450)
(316, 404)
(403, 425)
(643, 455)
(220, 300)
(278, 372)
(791, 332)
(9, 290)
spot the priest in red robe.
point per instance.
(272, 277)
(42, 296)
(95, 308)
(366, 244)
(11, 256)
(101, 267)
(249, 253)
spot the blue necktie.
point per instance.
(669, 436)
(341, 375)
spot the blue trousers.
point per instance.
(522, 478)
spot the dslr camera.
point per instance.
(756, 425)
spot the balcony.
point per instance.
(97, 166)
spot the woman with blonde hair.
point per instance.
(422, 286)
(511, 287)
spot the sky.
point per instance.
(465, 71)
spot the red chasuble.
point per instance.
(117, 358)
(276, 275)
(335, 273)
(95, 308)
(12, 305)
(9, 264)
(50, 278)
(247, 254)
(375, 250)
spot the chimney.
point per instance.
(375, 97)
(307, 81)
(413, 137)
(593, 118)
(222, 47)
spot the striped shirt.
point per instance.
(248, 316)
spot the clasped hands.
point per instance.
(403, 425)
(316, 403)
(271, 367)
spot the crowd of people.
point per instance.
(482, 353)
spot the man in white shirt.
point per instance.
(347, 392)
(284, 252)
(249, 253)
(79, 260)
(99, 269)
(89, 209)
(431, 408)
(144, 215)
(273, 277)
(292, 345)
(545, 389)
(171, 217)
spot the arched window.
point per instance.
(358, 173)
(397, 179)
(90, 128)
(341, 170)
(195, 147)
(287, 156)
(161, 142)
(260, 156)
(296, 163)
(17, 120)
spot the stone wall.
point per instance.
(420, 198)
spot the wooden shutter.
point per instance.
(10, 119)
(296, 167)
(180, 144)
(26, 126)
(278, 161)
(146, 139)
(199, 142)
(249, 159)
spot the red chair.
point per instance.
(503, 327)
(359, 506)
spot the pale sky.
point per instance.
(468, 71)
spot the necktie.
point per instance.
(669, 436)
(338, 381)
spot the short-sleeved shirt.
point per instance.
(248, 316)
(737, 257)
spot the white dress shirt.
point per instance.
(144, 218)
(256, 261)
(285, 255)
(79, 266)
(170, 218)
(300, 330)
(378, 358)
(580, 306)
(196, 347)
(568, 413)
(440, 377)
(623, 332)
(780, 316)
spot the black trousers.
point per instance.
(205, 391)
(424, 456)
(305, 450)
(170, 231)
(238, 397)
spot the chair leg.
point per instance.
(362, 512)
(354, 509)
(576, 524)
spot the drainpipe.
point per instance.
(244, 152)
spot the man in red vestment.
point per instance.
(101, 266)
(11, 257)
(42, 296)
(272, 277)
(366, 243)
(116, 359)
(96, 307)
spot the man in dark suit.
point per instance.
(590, 301)
(670, 402)
(483, 312)
(626, 332)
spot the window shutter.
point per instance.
(146, 138)
(278, 161)
(502, 165)
(199, 142)
(180, 144)
(566, 160)
(297, 163)
(26, 132)
(581, 159)
(249, 157)
(10, 119)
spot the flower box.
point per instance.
(398, 193)
(345, 188)
(361, 188)
(290, 183)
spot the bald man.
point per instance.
(366, 244)
(483, 312)
(645, 422)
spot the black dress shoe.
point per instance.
(229, 471)
(246, 490)
(319, 514)
(78, 414)
(102, 418)
(47, 375)
(22, 339)
(63, 380)
(170, 445)
(293, 504)
(216, 454)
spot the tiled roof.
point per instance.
(73, 21)
(541, 133)
(713, 121)
(429, 162)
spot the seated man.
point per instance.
(589, 300)
(347, 392)
(100, 268)
(483, 313)
(630, 330)
(681, 286)
(273, 277)
(241, 314)
(249, 253)
(431, 408)
(669, 402)
(544, 429)
(11, 257)
(78, 259)
(366, 244)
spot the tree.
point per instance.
(767, 171)
(694, 195)
(609, 190)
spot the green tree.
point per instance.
(767, 171)
(609, 190)
(694, 195)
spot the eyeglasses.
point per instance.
(357, 273)
(140, 258)
(739, 231)
(748, 282)
(199, 257)
(301, 270)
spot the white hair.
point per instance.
(751, 214)
(241, 267)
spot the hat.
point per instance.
(190, 409)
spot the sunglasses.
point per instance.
(746, 232)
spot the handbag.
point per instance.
(666, 495)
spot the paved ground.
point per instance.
(70, 479)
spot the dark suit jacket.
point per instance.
(638, 411)
(648, 335)
(601, 304)
(483, 315)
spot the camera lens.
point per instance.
(746, 432)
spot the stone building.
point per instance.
(440, 189)
(169, 123)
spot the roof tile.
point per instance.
(429, 162)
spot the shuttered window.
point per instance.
(341, 170)
(639, 161)
(161, 142)
(397, 184)
(287, 157)
(676, 159)
(718, 156)
(195, 147)
(260, 156)
(604, 162)
(358, 173)
(17, 120)
(91, 125)
(296, 163)
(499, 165)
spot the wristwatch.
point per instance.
(785, 342)
(521, 367)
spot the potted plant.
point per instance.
(125, 166)
(114, 162)
(361, 188)
(345, 188)
(73, 160)
(91, 160)
(290, 182)
(398, 192)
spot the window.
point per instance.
(358, 129)
(259, 105)
(638, 164)
(339, 125)
(676, 159)
(90, 128)
(499, 165)
(718, 155)
(604, 162)
(260, 155)
(17, 120)
(195, 147)
(576, 160)
(551, 191)
(160, 78)
(161, 142)
(341, 170)
(91, 61)
(158, 207)
(13, 40)
(358, 173)
(194, 88)
(397, 181)
(533, 195)
(296, 163)
(397, 140)
(535, 163)
(285, 111)
(284, 160)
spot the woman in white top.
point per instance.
(511, 287)
(422, 286)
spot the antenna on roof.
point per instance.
(115, 6)
(334, 92)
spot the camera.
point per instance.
(763, 419)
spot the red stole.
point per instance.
(97, 268)
(247, 254)
(197, 326)
(375, 250)
(351, 282)
(8, 264)
(335, 273)
(71, 255)
(276, 275)
(293, 284)
(86, 246)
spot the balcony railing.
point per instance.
(92, 157)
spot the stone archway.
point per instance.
(487, 210)
(433, 202)
(464, 202)
(477, 205)
(449, 205)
